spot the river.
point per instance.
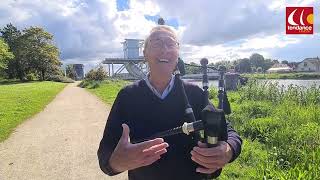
(285, 82)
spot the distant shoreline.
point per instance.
(300, 76)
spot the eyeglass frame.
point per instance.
(177, 44)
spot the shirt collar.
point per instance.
(154, 90)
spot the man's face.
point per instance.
(162, 52)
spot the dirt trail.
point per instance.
(58, 143)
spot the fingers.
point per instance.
(214, 151)
(204, 159)
(161, 152)
(150, 151)
(150, 143)
(202, 145)
(154, 149)
(206, 151)
(209, 165)
(210, 158)
(149, 159)
(153, 157)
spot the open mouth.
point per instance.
(163, 60)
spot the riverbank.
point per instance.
(302, 76)
(280, 129)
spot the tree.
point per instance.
(284, 62)
(38, 51)
(70, 71)
(5, 55)
(98, 74)
(257, 60)
(34, 52)
(227, 64)
(243, 66)
(193, 69)
(11, 34)
(268, 64)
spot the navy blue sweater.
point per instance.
(146, 114)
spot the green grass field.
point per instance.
(280, 129)
(19, 101)
(105, 90)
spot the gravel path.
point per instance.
(60, 142)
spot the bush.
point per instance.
(84, 84)
(89, 84)
(59, 78)
(32, 77)
(96, 74)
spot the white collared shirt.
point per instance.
(165, 92)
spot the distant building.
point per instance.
(309, 65)
(79, 69)
(280, 68)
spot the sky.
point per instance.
(87, 31)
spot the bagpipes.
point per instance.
(212, 127)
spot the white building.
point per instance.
(309, 65)
(280, 68)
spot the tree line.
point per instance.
(255, 63)
(28, 54)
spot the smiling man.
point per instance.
(152, 105)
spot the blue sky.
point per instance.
(122, 5)
(87, 31)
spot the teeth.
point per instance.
(163, 60)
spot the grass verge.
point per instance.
(19, 101)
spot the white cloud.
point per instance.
(83, 30)
(87, 31)
(273, 41)
(243, 48)
(231, 29)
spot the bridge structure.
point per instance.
(135, 64)
(137, 67)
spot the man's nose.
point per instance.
(166, 47)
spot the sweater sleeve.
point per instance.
(111, 134)
(235, 142)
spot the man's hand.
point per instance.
(211, 159)
(127, 156)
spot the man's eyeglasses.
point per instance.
(170, 43)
